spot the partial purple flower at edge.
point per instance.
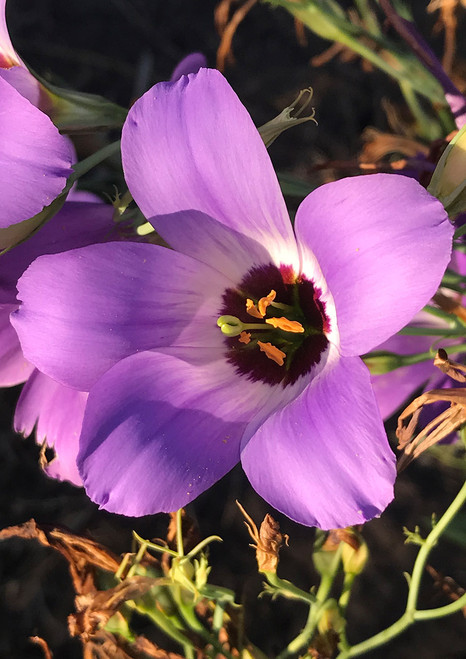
(174, 403)
(35, 160)
(54, 410)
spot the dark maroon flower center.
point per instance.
(275, 325)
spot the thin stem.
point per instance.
(428, 545)
(315, 611)
(429, 331)
(411, 615)
(460, 231)
(179, 532)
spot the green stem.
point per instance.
(315, 611)
(179, 532)
(92, 161)
(411, 615)
(429, 331)
(460, 231)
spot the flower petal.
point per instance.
(160, 428)
(191, 145)
(85, 309)
(324, 459)
(14, 368)
(35, 160)
(221, 247)
(58, 412)
(189, 64)
(392, 389)
(75, 225)
(373, 236)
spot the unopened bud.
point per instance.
(448, 182)
(381, 361)
(354, 554)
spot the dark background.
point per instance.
(119, 48)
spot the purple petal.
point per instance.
(24, 82)
(77, 224)
(373, 236)
(324, 459)
(191, 145)
(189, 64)
(160, 429)
(85, 309)
(35, 160)
(14, 368)
(392, 389)
(221, 247)
(57, 412)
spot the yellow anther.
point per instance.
(264, 302)
(286, 325)
(272, 352)
(252, 310)
(244, 337)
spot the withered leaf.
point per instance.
(82, 554)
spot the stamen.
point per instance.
(244, 337)
(272, 352)
(286, 325)
(264, 302)
(252, 310)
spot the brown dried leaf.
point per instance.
(450, 305)
(95, 610)
(141, 644)
(445, 423)
(268, 541)
(453, 369)
(43, 646)
(224, 51)
(82, 554)
(379, 145)
(447, 585)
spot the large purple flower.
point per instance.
(242, 342)
(56, 411)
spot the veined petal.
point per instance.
(77, 224)
(85, 309)
(324, 459)
(162, 427)
(57, 412)
(373, 237)
(35, 160)
(14, 368)
(191, 145)
(204, 238)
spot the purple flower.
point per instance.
(35, 160)
(174, 400)
(54, 409)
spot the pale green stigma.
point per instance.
(230, 325)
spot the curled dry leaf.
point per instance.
(268, 541)
(445, 423)
(95, 610)
(82, 554)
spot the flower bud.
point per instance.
(448, 182)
